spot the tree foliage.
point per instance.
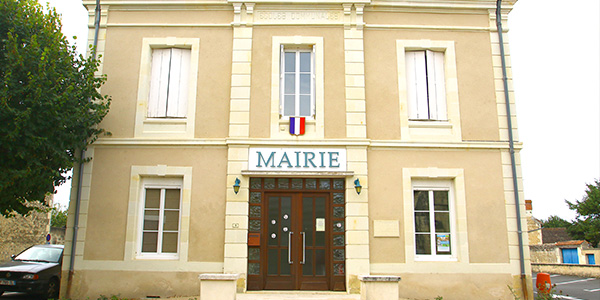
(50, 105)
(59, 217)
(587, 222)
(555, 222)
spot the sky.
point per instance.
(555, 51)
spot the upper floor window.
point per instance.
(297, 82)
(426, 85)
(168, 97)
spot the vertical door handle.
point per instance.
(303, 247)
(290, 261)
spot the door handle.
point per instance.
(290, 261)
(303, 247)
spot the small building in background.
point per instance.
(555, 246)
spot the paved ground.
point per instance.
(247, 296)
(575, 288)
(567, 288)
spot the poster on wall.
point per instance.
(443, 242)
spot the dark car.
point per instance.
(34, 271)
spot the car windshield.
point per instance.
(40, 254)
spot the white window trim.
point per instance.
(157, 183)
(434, 178)
(297, 50)
(166, 127)
(436, 185)
(160, 175)
(314, 127)
(425, 130)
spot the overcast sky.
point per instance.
(554, 48)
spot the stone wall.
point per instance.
(547, 253)
(567, 269)
(535, 232)
(57, 235)
(18, 232)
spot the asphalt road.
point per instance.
(574, 288)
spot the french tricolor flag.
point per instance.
(297, 125)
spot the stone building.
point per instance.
(299, 144)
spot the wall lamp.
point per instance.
(357, 186)
(236, 185)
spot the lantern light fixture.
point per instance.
(236, 185)
(357, 186)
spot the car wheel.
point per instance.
(52, 289)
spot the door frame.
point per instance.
(335, 277)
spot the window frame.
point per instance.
(297, 49)
(448, 130)
(166, 127)
(168, 185)
(158, 175)
(431, 187)
(315, 128)
(424, 178)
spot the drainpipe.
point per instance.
(512, 150)
(80, 172)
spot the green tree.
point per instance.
(587, 222)
(49, 103)
(555, 222)
(59, 217)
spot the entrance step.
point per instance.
(297, 295)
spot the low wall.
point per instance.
(547, 253)
(567, 269)
(18, 232)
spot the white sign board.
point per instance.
(297, 159)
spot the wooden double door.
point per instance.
(296, 256)
(301, 244)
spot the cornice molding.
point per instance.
(265, 142)
(453, 4)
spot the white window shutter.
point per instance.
(184, 82)
(178, 83)
(436, 85)
(159, 83)
(416, 85)
(313, 84)
(281, 79)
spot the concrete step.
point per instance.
(296, 295)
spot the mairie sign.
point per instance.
(297, 159)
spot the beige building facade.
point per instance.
(299, 144)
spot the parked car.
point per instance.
(35, 271)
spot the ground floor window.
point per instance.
(161, 218)
(433, 219)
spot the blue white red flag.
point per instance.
(297, 125)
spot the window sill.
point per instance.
(165, 121)
(435, 258)
(286, 119)
(165, 127)
(157, 257)
(430, 124)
